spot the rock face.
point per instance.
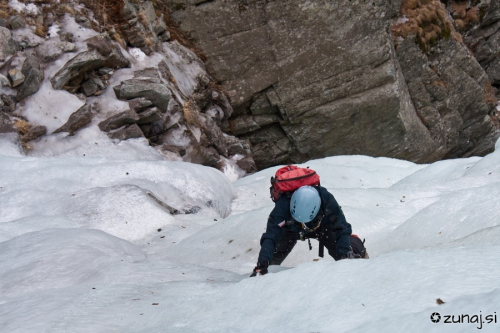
(102, 53)
(314, 78)
(176, 107)
(150, 88)
(52, 49)
(6, 125)
(119, 120)
(33, 77)
(34, 133)
(7, 103)
(484, 38)
(77, 120)
(174, 104)
(128, 132)
(7, 44)
(450, 92)
(142, 27)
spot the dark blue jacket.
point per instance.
(332, 218)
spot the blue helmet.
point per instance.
(305, 204)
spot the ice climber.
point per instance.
(310, 212)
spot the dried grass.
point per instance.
(106, 11)
(41, 31)
(190, 112)
(69, 9)
(426, 20)
(149, 42)
(460, 24)
(489, 94)
(440, 83)
(22, 126)
(464, 17)
(5, 10)
(458, 9)
(472, 15)
(118, 38)
(457, 37)
(141, 17)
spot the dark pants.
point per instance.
(290, 238)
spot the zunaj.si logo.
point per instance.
(465, 319)
(435, 317)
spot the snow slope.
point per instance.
(88, 244)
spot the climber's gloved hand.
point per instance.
(348, 255)
(260, 269)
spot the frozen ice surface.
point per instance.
(50, 108)
(56, 258)
(80, 34)
(87, 243)
(10, 145)
(126, 198)
(53, 31)
(27, 33)
(137, 54)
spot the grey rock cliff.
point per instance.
(484, 40)
(449, 91)
(309, 79)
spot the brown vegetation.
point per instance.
(440, 84)
(190, 111)
(489, 94)
(109, 12)
(460, 24)
(426, 20)
(68, 9)
(464, 17)
(457, 36)
(4, 9)
(106, 11)
(41, 30)
(115, 35)
(141, 17)
(22, 126)
(149, 42)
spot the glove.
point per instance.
(260, 269)
(348, 255)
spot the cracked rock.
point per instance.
(52, 49)
(139, 104)
(77, 120)
(73, 72)
(16, 77)
(89, 87)
(149, 116)
(6, 125)
(128, 132)
(33, 77)
(7, 44)
(247, 164)
(101, 43)
(34, 133)
(119, 120)
(17, 22)
(151, 89)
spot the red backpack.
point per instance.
(290, 178)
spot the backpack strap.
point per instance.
(321, 249)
